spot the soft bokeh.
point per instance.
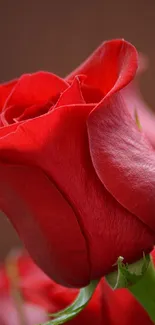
(27, 295)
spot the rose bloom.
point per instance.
(77, 173)
(39, 296)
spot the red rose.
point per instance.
(77, 175)
(40, 296)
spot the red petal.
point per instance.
(123, 159)
(72, 95)
(90, 94)
(4, 131)
(36, 88)
(33, 89)
(109, 64)
(5, 90)
(61, 149)
(33, 111)
(135, 102)
(45, 222)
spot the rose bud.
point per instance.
(77, 173)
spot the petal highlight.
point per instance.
(123, 158)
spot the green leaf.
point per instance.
(76, 307)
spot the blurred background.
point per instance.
(57, 35)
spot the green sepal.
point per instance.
(76, 307)
(128, 274)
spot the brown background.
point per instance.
(56, 35)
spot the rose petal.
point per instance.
(36, 88)
(45, 222)
(135, 102)
(123, 159)
(5, 90)
(4, 131)
(32, 89)
(62, 151)
(108, 65)
(90, 94)
(72, 95)
(33, 111)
